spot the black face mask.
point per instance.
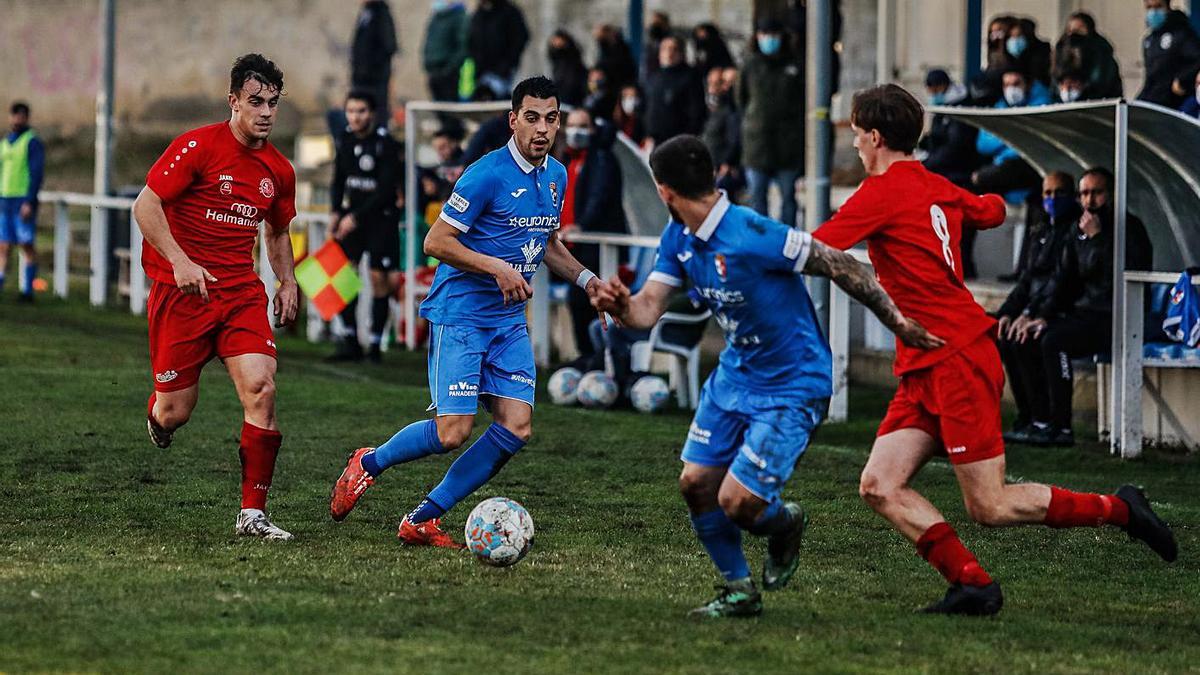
(657, 32)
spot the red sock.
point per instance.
(258, 450)
(150, 407)
(940, 547)
(1082, 509)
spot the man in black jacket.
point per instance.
(371, 51)
(1072, 315)
(1171, 51)
(364, 218)
(674, 95)
(949, 144)
(496, 39)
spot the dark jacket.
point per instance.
(616, 60)
(711, 52)
(951, 145)
(1083, 279)
(1035, 61)
(1091, 56)
(569, 73)
(1171, 52)
(770, 96)
(674, 103)
(723, 133)
(598, 194)
(492, 134)
(373, 45)
(1039, 262)
(366, 172)
(498, 36)
(445, 41)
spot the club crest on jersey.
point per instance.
(554, 192)
(366, 163)
(266, 188)
(226, 188)
(722, 269)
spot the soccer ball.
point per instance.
(499, 532)
(563, 386)
(649, 394)
(597, 390)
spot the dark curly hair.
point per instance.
(255, 67)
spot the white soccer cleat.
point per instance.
(254, 523)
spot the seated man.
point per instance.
(1052, 227)
(1073, 313)
(949, 145)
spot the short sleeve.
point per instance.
(471, 195)
(667, 268)
(782, 248)
(179, 166)
(283, 208)
(864, 214)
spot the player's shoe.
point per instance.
(1145, 524)
(158, 435)
(348, 350)
(428, 533)
(375, 354)
(969, 600)
(783, 551)
(737, 600)
(254, 523)
(350, 486)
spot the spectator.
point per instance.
(771, 99)
(710, 48)
(1051, 229)
(1083, 51)
(1170, 51)
(496, 39)
(797, 26)
(492, 134)
(447, 143)
(723, 131)
(592, 204)
(1191, 105)
(949, 144)
(445, 48)
(371, 51)
(999, 30)
(1071, 87)
(674, 95)
(657, 30)
(567, 69)
(1029, 53)
(601, 96)
(1072, 316)
(627, 114)
(613, 56)
(22, 165)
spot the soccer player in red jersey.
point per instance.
(948, 401)
(200, 211)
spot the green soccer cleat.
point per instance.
(737, 599)
(783, 551)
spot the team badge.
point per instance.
(722, 269)
(266, 188)
(366, 162)
(227, 188)
(554, 192)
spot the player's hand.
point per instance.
(914, 335)
(512, 285)
(332, 228)
(1002, 325)
(611, 296)
(287, 303)
(593, 288)
(192, 279)
(1032, 329)
(26, 211)
(1015, 328)
(347, 225)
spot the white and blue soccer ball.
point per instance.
(649, 394)
(596, 390)
(499, 532)
(564, 385)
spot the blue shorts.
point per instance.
(466, 362)
(758, 437)
(13, 229)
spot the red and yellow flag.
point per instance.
(328, 279)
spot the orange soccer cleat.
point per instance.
(350, 486)
(428, 533)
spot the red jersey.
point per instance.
(215, 191)
(912, 221)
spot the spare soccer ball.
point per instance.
(597, 390)
(499, 532)
(649, 394)
(563, 385)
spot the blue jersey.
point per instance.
(505, 207)
(747, 269)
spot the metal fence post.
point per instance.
(62, 249)
(839, 345)
(1131, 362)
(315, 326)
(98, 257)
(1119, 350)
(540, 310)
(137, 275)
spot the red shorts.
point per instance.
(957, 401)
(186, 332)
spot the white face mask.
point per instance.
(629, 104)
(1070, 95)
(1014, 96)
(1198, 94)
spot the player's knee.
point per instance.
(172, 415)
(260, 394)
(697, 491)
(453, 436)
(742, 509)
(875, 491)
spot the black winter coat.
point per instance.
(496, 39)
(1171, 52)
(674, 103)
(1083, 280)
(373, 45)
(1039, 262)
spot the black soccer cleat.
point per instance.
(783, 551)
(158, 435)
(1145, 524)
(969, 601)
(375, 354)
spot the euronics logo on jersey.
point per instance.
(464, 389)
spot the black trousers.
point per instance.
(1040, 372)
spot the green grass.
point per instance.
(115, 556)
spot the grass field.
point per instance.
(115, 556)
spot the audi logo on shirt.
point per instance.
(247, 210)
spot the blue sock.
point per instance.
(30, 275)
(723, 541)
(471, 470)
(414, 441)
(773, 519)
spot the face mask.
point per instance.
(578, 138)
(629, 104)
(1070, 95)
(769, 44)
(1155, 18)
(1057, 206)
(440, 5)
(1014, 96)
(657, 32)
(938, 98)
(1198, 94)
(1015, 46)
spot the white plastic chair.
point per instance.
(685, 348)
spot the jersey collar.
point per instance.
(713, 218)
(520, 159)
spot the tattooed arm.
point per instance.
(859, 282)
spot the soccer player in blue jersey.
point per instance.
(760, 406)
(500, 223)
